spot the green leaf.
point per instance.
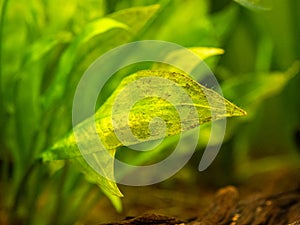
(136, 17)
(206, 52)
(108, 187)
(123, 26)
(161, 100)
(202, 52)
(256, 5)
(115, 200)
(68, 59)
(250, 92)
(45, 45)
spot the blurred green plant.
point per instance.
(39, 81)
(254, 4)
(45, 48)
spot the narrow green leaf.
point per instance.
(256, 5)
(250, 91)
(136, 17)
(128, 23)
(202, 52)
(43, 46)
(114, 199)
(68, 59)
(167, 105)
(109, 187)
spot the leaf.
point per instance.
(202, 52)
(136, 17)
(45, 45)
(115, 200)
(256, 5)
(185, 25)
(159, 96)
(107, 186)
(206, 52)
(123, 26)
(67, 61)
(250, 91)
(159, 107)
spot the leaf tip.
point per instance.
(237, 111)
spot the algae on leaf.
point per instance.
(176, 98)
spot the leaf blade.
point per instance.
(140, 116)
(68, 58)
(256, 5)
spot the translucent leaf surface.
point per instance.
(158, 94)
(204, 100)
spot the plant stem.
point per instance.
(56, 216)
(2, 16)
(20, 189)
(2, 120)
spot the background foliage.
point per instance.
(45, 46)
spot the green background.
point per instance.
(45, 46)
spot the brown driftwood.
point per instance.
(228, 209)
(149, 219)
(280, 209)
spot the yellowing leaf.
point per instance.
(202, 52)
(205, 52)
(180, 102)
(203, 99)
